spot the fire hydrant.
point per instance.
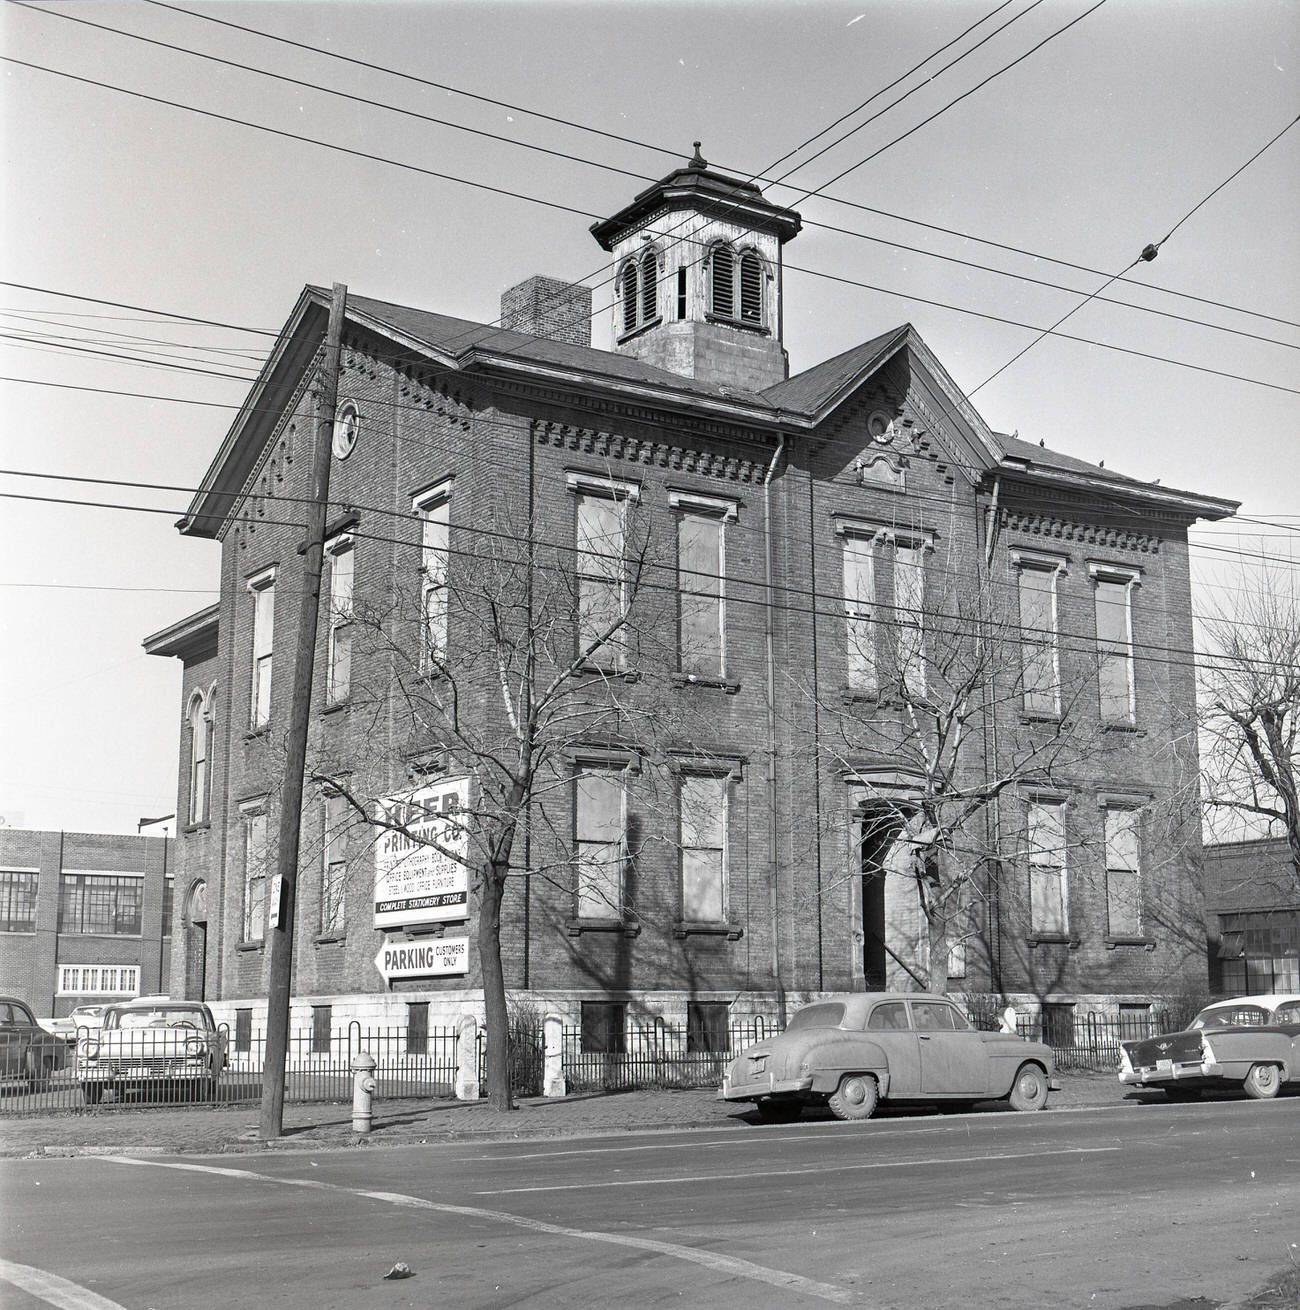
(363, 1092)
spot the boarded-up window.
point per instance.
(751, 289)
(706, 1027)
(334, 866)
(321, 1018)
(254, 876)
(909, 603)
(603, 1027)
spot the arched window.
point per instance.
(722, 281)
(200, 725)
(736, 285)
(628, 289)
(638, 289)
(751, 288)
(649, 286)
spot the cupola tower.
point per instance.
(697, 277)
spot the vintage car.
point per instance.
(28, 1053)
(152, 1043)
(853, 1051)
(1252, 1042)
(79, 1017)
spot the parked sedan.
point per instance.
(1252, 1042)
(851, 1052)
(27, 1052)
(148, 1043)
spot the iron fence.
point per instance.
(415, 1063)
(659, 1055)
(155, 1068)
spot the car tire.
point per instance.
(779, 1112)
(1029, 1091)
(1263, 1082)
(856, 1097)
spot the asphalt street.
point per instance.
(1178, 1205)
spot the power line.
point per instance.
(332, 91)
(1148, 254)
(1162, 653)
(662, 150)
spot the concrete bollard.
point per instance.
(363, 1092)
(553, 1045)
(467, 1058)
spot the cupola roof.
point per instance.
(698, 187)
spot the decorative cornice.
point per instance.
(634, 450)
(1033, 523)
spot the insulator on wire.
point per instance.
(1150, 252)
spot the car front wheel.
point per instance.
(1263, 1082)
(855, 1097)
(1029, 1091)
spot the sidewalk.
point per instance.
(328, 1125)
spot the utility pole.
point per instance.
(284, 888)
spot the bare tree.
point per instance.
(940, 686)
(493, 665)
(1250, 712)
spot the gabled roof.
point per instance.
(798, 405)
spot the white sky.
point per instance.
(1090, 148)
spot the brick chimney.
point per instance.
(547, 307)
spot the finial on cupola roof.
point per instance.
(697, 159)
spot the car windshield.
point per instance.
(1231, 1016)
(1287, 1013)
(828, 1015)
(158, 1018)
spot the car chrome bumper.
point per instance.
(1149, 1076)
(754, 1089)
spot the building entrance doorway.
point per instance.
(895, 943)
(196, 943)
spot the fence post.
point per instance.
(467, 1058)
(553, 1083)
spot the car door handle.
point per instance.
(925, 1037)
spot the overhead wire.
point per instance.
(567, 547)
(856, 234)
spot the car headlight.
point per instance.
(89, 1050)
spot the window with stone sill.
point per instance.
(253, 821)
(1123, 874)
(340, 557)
(1114, 587)
(1040, 661)
(600, 842)
(261, 588)
(701, 584)
(433, 507)
(601, 507)
(1049, 895)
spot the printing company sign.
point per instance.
(417, 883)
(437, 957)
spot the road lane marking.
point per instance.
(730, 1266)
(52, 1289)
(820, 1170)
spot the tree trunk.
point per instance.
(491, 887)
(937, 924)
